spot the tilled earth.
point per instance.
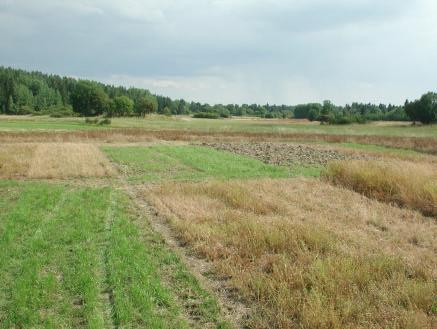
(285, 154)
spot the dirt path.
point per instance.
(106, 293)
(232, 310)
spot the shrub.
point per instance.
(360, 119)
(339, 119)
(313, 114)
(61, 112)
(225, 113)
(91, 120)
(23, 110)
(206, 115)
(57, 112)
(167, 112)
(105, 121)
(96, 121)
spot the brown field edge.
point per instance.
(422, 144)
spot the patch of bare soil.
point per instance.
(285, 154)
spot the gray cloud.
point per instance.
(274, 51)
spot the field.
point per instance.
(253, 125)
(152, 128)
(245, 223)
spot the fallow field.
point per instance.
(185, 223)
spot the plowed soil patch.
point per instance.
(285, 154)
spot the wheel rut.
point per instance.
(232, 310)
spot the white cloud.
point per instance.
(277, 51)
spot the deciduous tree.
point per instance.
(89, 99)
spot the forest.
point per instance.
(36, 93)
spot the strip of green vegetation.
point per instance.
(44, 123)
(71, 257)
(307, 171)
(48, 253)
(158, 163)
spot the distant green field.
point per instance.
(231, 125)
(74, 257)
(160, 163)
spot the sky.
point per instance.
(232, 51)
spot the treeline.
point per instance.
(354, 113)
(23, 92)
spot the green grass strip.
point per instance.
(157, 163)
(151, 287)
(48, 256)
(78, 257)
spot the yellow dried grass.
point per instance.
(305, 254)
(15, 159)
(53, 160)
(405, 183)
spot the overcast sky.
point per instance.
(232, 51)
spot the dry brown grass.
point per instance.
(53, 160)
(389, 154)
(15, 159)
(424, 144)
(305, 254)
(409, 184)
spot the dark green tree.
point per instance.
(89, 99)
(122, 105)
(313, 114)
(182, 107)
(145, 105)
(23, 97)
(7, 91)
(424, 109)
(326, 112)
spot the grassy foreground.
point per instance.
(297, 252)
(75, 258)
